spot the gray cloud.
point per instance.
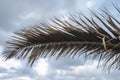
(16, 14)
(72, 71)
(65, 63)
(86, 71)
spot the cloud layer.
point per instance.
(16, 14)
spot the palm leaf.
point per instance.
(98, 36)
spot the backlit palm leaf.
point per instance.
(98, 35)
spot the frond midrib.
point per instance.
(65, 42)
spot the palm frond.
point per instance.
(98, 35)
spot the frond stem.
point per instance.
(65, 42)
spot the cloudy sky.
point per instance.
(16, 14)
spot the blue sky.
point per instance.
(16, 14)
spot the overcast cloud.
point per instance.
(16, 14)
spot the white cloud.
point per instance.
(31, 15)
(2, 74)
(64, 18)
(86, 71)
(12, 63)
(81, 69)
(21, 78)
(90, 4)
(42, 67)
(87, 68)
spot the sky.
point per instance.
(16, 14)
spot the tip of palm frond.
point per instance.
(98, 35)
